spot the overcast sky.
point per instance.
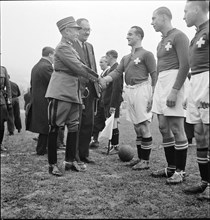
(28, 26)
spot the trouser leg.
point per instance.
(72, 152)
(52, 145)
(41, 147)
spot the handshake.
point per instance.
(101, 84)
(104, 81)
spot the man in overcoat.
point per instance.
(40, 77)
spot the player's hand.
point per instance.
(102, 82)
(204, 105)
(204, 101)
(149, 105)
(171, 99)
(112, 110)
(184, 104)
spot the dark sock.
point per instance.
(115, 137)
(181, 156)
(146, 146)
(1, 136)
(203, 168)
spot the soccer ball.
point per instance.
(126, 153)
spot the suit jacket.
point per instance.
(40, 77)
(92, 64)
(112, 95)
(15, 89)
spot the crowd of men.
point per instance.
(67, 92)
(10, 106)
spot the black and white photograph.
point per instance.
(104, 109)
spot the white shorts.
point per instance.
(136, 98)
(199, 87)
(165, 82)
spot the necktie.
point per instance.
(85, 54)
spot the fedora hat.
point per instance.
(69, 21)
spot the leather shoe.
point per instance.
(196, 189)
(87, 160)
(54, 170)
(94, 144)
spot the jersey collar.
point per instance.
(202, 26)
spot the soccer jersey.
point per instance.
(199, 50)
(167, 49)
(136, 66)
(172, 53)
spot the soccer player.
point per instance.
(196, 14)
(172, 68)
(137, 66)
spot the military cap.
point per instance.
(69, 21)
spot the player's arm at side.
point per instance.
(182, 48)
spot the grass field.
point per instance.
(108, 189)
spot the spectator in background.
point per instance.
(40, 77)
(99, 119)
(27, 98)
(14, 119)
(27, 101)
(112, 98)
(5, 101)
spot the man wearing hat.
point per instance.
(64, 97)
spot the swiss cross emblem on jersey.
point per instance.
(200, 42)
(168, 46)
(137, 61)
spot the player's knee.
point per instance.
(200, 139)
(144, 129)
(164, 129)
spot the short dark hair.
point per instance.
(80, 20)
(104, 57)
(113, 53)
(139, 31)
(204, 4)
(47, 50)
(165, 11)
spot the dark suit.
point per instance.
(87, 114)
(14, 119)
(100, 118)
(40, 77)
(112, 96)
(27, 99)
